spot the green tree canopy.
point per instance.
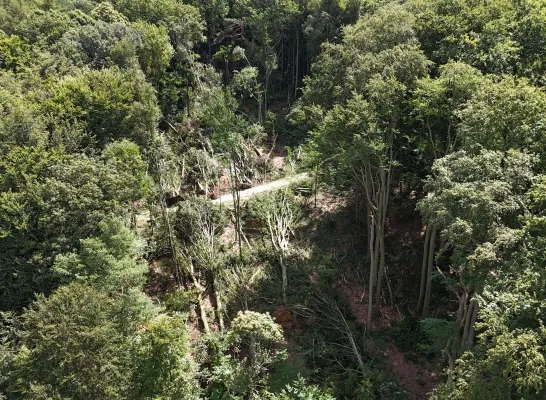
(71, 344)
(110, 104)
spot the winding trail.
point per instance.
(227, 199)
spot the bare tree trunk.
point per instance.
(297, 64)
(381, 270)
(369, 228)
(471, 333)
(316, 185)
(450, 359)
(470, 319)
(424, 265)
(460, 310)
(330, 313)
(219, 307)
(373, 268)
(260, 118)
(430, 261)
(461, 314)
(284, 278)
(381, 233)
(178, 274)
(236, 206)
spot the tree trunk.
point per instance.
(376, 254)
(470, 320)
(284, 279)
(451, 360)
(236, 206)
(460, 310)
(201, 306)
(381, 235)
(297, 64)
(381, 270)
(178, 274)
(265, 93)
(461, 315)
(369, 230)
(430, 261)
(470, 341)
(373, 268)
(424, 265)
(316, 185)
(219, 308)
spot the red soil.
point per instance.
(417, 379)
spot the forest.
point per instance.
(273, 199)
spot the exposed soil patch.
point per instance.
(417, 379)
(283, 316)
(358, 300)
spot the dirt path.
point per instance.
(227, 199)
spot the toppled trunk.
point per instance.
(219, 308)
(200, 305)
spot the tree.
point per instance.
(269, 27)
(213, 12)
(22, 124)
(106, 12)
(111, 104)
(154, 50)
(436, 105)
(280, 213)
(530, 37)
(504, 115)
(198, 225)
(70, 344)
(100, 45)
(481, 35)
(437, 102)
(259, 337)
(353, 102)
(48, 202)
(509, 354)
(109, 261)
(474, 201)
(14, 53)
(300, 390)
(164, 367)
(182, 20)
(236, 140)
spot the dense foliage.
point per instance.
(123, 276)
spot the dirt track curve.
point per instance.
(227, 199)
